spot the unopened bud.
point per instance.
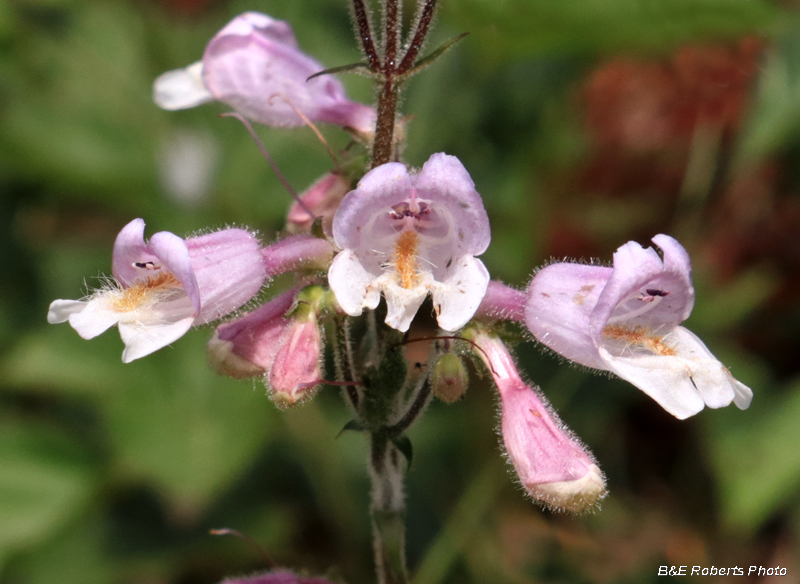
(246, 347)
(296, 372)
(551, 463)
(322, 199)
(449, 379)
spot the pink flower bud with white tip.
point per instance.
(551, 463)
(626, 320)
(296, 370)
(407, 235)
(246, 347)
(254, 66)
(163, 287)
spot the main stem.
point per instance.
(388, 510)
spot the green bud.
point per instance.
(449, 379)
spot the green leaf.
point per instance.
(174, 422)
(756, 458)
(46, 480)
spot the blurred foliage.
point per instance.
(584, 124)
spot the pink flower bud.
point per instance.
(551, 463)
(254, 65)
(246, 347)
(163, 287)
(296, 372)
(322, 199)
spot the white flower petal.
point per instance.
(89, 318)
(458, 297)
(682, 383)
(141, 339)
(402, 303)
(351, 283)
(181, 88)
(61, 310)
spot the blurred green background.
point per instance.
(584, 123)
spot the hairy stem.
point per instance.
(365, 37)
(383, 147)
(388, 510)
(424, 21)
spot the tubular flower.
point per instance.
(254, 66)
(407, 235)
(626, 320)
(552, 465)
(163, 287)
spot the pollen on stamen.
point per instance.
(142, 292)
(640, 337)
(405, 259)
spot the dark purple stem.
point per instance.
(415, 46)
(365, 35)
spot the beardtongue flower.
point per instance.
(552, 465)
(254, 66)
(165, 286)
(626, 320)
(406, 235)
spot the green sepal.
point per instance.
(353, 426)
(403, 444)
(357, 68)
(317, 229)
(429, 59)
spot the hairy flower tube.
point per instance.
(254, 66)
(163, 287)
(406, 235)
(553, 466)
(626, 320)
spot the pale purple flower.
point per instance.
(254, 66)
(406, 235)
(552, 465)
(626, 320)
(163, 287)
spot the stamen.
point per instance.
(640, 337)
(405, 258)
(143, 292)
